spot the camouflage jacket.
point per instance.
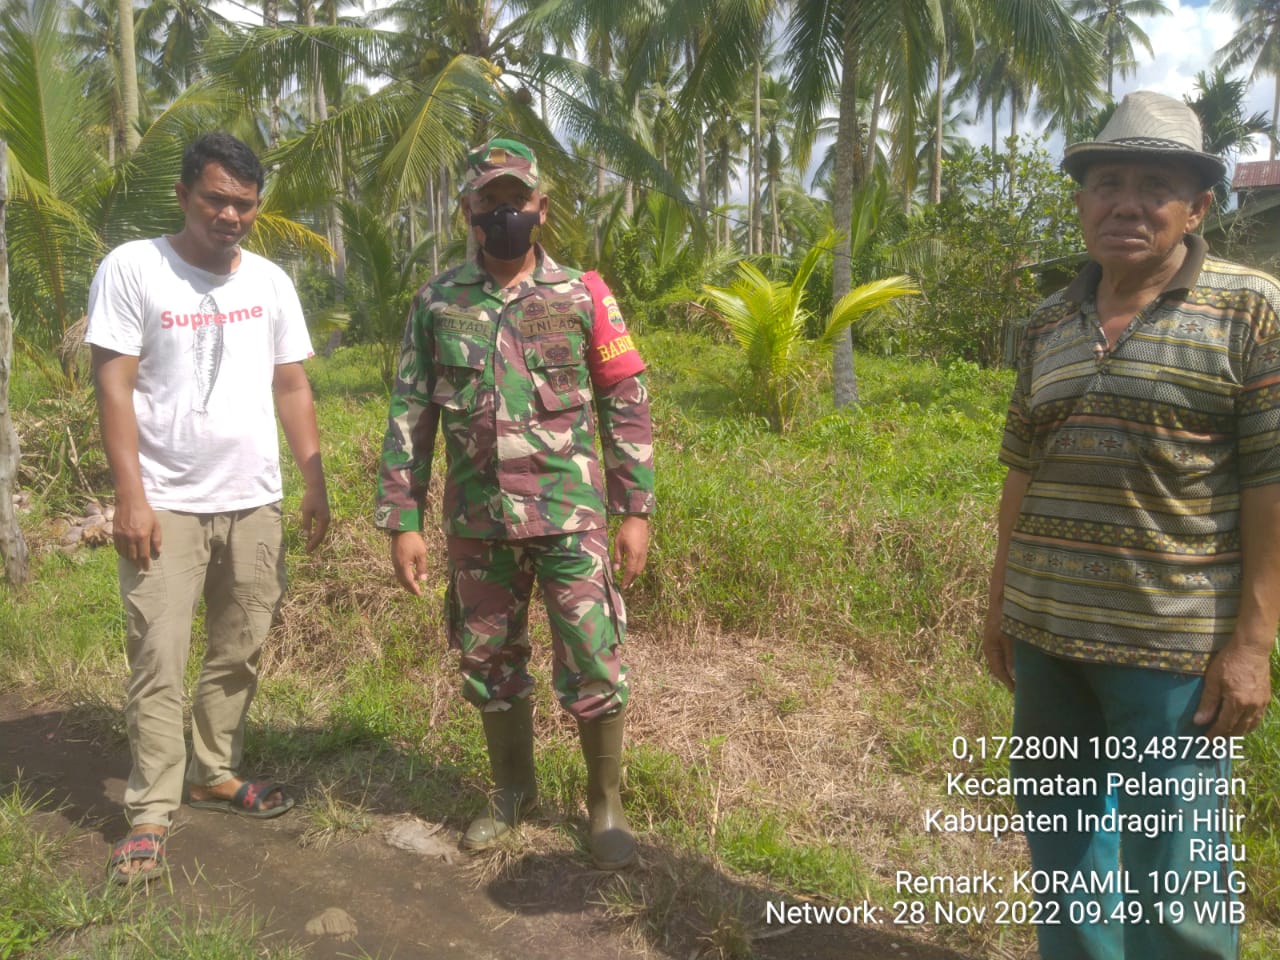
(511, 375)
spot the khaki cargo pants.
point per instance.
(236, 562)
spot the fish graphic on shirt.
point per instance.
(207, 352)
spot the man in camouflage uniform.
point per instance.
(515, 356)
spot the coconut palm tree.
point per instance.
(67, 204)
(94, 37)
(827, 45)
(174, 32)
(1256, 44)
(1115, 21)
(777, 130)
(996, 79)
(1047, 46)
(825, 50)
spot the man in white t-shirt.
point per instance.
(197, 346)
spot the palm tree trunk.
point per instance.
(776, 243)
(935, 172)
(1275, 115)
(439, 215)
(319, 108)
(699, 135)
(873, 132)
(1013, 143)
(724, 205)
(844, 380)
(757, 215)
(13, 548)
(995, 148)
(1111, 66)
(128, 76)
(271, 18)
(603, 62)
(702, 168)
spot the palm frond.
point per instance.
(261, 59)
(436, 132)
(815, 45)
(137, 199)
(276, 236)
(46, 117)
(863, 299)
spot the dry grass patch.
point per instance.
(798, 738)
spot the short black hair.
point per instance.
(220, 147)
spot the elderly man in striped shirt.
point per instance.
(1136, 587)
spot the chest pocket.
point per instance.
(558, 369)
(460, 361)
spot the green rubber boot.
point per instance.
(509, 736)
(612, 844)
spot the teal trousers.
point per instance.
(1124, 722)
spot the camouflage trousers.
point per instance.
(487, 613)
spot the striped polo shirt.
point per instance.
(1127, 548)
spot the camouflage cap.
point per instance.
(501, 158)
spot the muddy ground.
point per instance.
(404, 905)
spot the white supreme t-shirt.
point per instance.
(207, 347)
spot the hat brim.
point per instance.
(1077, 158)
(528, 180)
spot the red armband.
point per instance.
(611, 356)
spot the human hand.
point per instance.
(409, 558)
(630, 549)
(315, 515)
(997, 647)
(135, 531)
(1237, 689)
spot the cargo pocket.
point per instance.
(460, 363)
(559, 372)
(615, 604)
(453, 616)
(269, 578)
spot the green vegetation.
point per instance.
(804, 647)
(44, 906)
(768, 318)
(804, 642)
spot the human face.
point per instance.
(219, 209)
(505, 190)
(506, 239)
(1134, 215)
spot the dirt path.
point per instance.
(404, 905)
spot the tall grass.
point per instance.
(804, 648)
(856, 527)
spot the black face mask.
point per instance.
(508, 232)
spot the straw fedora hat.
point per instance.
(1148, 125)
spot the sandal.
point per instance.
(248, 801)
(134, 848)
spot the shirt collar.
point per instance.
(1085, 285)
(545, 270)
